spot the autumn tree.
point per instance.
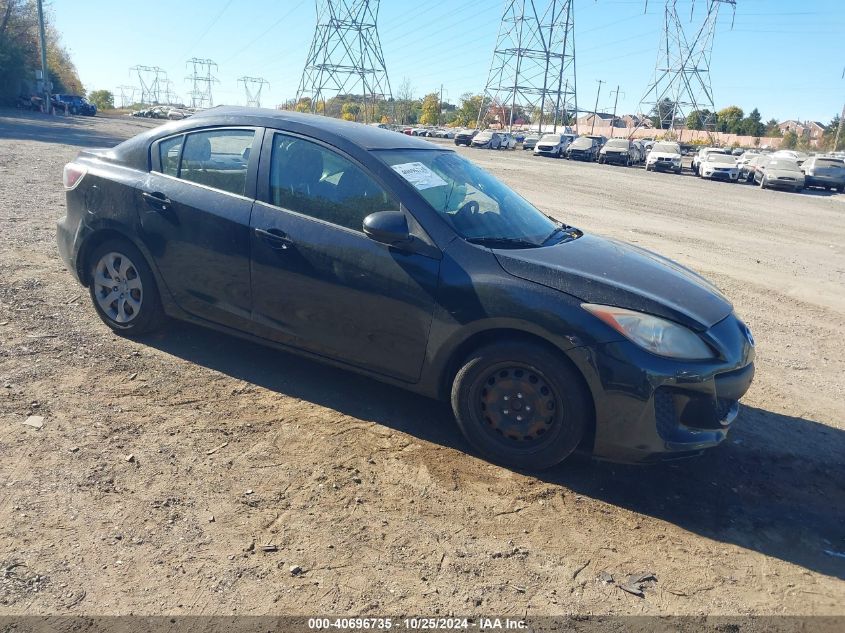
(430, 109)
(728, 119)
(20, 52)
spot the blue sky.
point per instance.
(784, 57)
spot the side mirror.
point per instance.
(388, 227)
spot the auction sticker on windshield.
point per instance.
(419, 175)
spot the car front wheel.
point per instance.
(123, 289)
(520, 405)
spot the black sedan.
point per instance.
(401, 260)
(583, 148)
(464, 137)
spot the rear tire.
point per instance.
(520, 405)
(123, 289)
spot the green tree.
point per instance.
(699, 119)
(772, 129)
(103, 99)
(829, 136)
(752, 125)
(663, 114)
(729, 119)
(471, 106)
(790, 140)
(349, 111)
(430, 109)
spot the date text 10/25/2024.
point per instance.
(416, 624)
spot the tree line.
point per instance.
(20, 53)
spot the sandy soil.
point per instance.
(189, 472)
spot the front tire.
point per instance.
(520, 405)
(123, 289)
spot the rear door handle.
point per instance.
(275, 238)
(157, 200)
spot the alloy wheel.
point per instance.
(118, 288)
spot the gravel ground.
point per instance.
(190, 472)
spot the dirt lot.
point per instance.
(165, 466)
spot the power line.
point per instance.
(533, 65)
(681, 82)
(345, 57)
(253, 87)
(201, 80)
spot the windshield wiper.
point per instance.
(568, 231)
(506, 242)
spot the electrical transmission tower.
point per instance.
(127, 95)
(201, 81)
(253, 87)
(681, 83)
(345, 57)
(151, 79)
(533, 66)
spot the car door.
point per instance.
(194, 214)
(318, 282)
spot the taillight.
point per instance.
(72, 175)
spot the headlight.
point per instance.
(653, 334)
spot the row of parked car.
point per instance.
(783, 169)
(171, 113)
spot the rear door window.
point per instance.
(218, 159)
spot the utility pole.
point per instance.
(596, 109)
(839, 127)
(45, 78)
(615, 101)
(440, 110)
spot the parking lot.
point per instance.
(191, 472)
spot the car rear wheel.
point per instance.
(520, 405)
(123, 289)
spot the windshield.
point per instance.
(618, 143)
(721, 158)
(666, 148)
(783, 164)
(550, 138)
(475, 204)
(829, 162)
(486, 135)
(582, 143)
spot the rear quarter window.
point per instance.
(168, 154)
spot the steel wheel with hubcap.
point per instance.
(123, 289)
(520, 404)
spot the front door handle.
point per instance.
(275, 238)
(157, 200)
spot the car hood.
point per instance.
(713, 165)
(610, 272)
(780, 173)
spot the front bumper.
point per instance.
(650, 408)
(665, 165)
(721, 175)
(615, 157)
(578, 155)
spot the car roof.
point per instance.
(365, 136)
